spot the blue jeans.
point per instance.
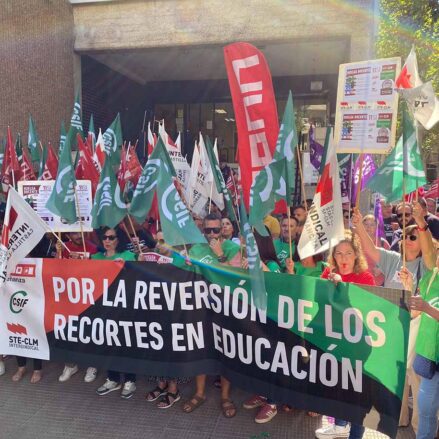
(356, 430)
(428, 406)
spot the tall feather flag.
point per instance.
(62, 200)
(324, 224)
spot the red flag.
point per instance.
(433, 192)
(255, 109)
(412, 195)
(152, 139)
(133, 166)
(11, 170)
(51, 165)
(27, 170)
(86, 169)
(99, 153)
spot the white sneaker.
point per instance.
(2, 368)
(67, 373)
(90, 375)
(107, 387)
(332, 431)
(128, 390)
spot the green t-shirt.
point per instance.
(125, 255)
(273, 266)
(203, 253)
(309, 271)
(427, 341)
(283, 251)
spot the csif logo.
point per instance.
(18, 301)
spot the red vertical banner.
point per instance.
(255, 109)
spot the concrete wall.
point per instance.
(36, 66)
(133, 24)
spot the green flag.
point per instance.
(62, 138)
(259, 292)
(145, 189)
(277, 180)
(42, 162)
(176, 220)
(32, 141)
(19, 147)
(113, 140)
(108, 207)
(62, 199)
(219, 180)
(404, 162)
(75, 120)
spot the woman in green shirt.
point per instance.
(112, 240)
(113, 244)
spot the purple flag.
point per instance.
(369, 169)
(316, 150)
(378, 214)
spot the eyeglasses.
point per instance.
(400, 215)
(109, 237)
(411, 237)
(209, 230)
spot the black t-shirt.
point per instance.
(145, 238)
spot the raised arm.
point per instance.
(425, 237)
(367, 244)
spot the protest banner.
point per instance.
(337, 350)
(367, 106)
(36, 193)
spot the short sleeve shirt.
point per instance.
(390, 264)
(203, 253)
(283, 251)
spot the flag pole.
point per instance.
(403, 223)
(360, 178)
(135, 234)
(210, 198)
(80, 220)
(302, 183)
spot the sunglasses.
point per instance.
(109, 237)
(215, 230)
(400, 215)
(411, 237)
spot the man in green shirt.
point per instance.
(218, 251)
(282, 245)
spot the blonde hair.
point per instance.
(360, 264)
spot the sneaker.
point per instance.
(254, 401)
(67, 373)
(128, 390)
(2, 368)
(266, 413)
(107, 387)
(90, 375)
(332, 431)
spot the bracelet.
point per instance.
(222, 258)
(424, 228)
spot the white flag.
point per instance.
(423, 104)
(324, 227)
(22, 231)
(197, 195)
(409, 76)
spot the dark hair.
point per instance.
(285, 217)
(294, 208)
(235, 232)
(211, 217)
(121, 238)
(266, 248)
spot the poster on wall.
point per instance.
(367, 106)
(36, 193)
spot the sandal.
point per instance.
(19, 374)
(193, 403)
(156, 393)
(228, 408)
(169, 400)
(36, 377)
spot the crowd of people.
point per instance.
(400, 259)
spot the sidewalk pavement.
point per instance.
(72, 410)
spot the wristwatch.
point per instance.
(222, 258)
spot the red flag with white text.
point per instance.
(255, 110)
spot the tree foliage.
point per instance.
(404, 23)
